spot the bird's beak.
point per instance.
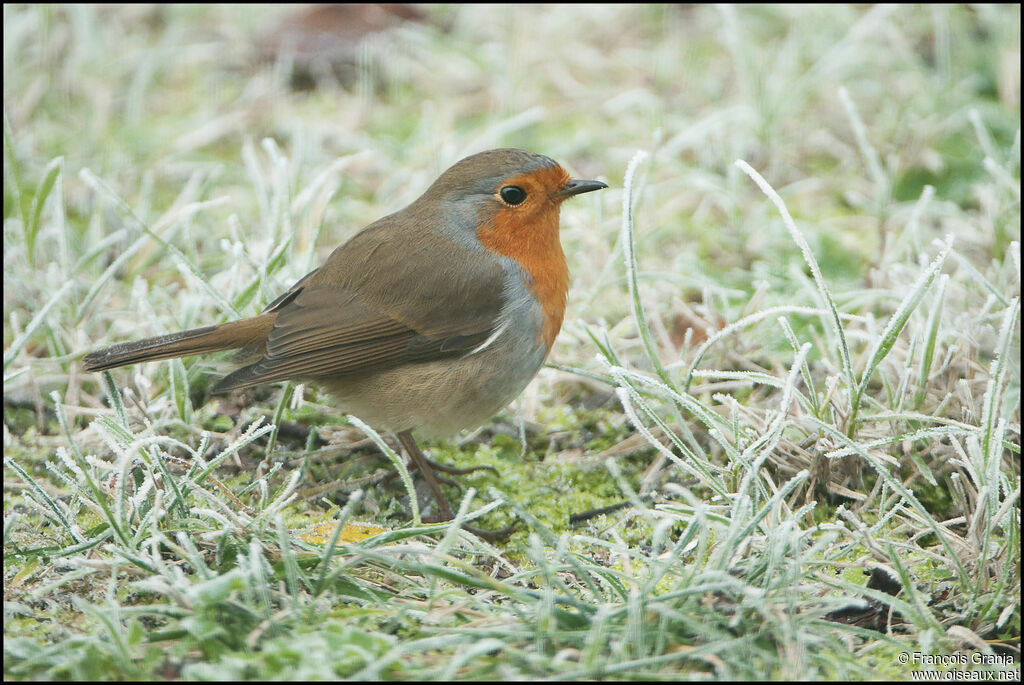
(577, 186)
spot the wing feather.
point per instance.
(364, 310)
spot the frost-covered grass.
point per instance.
(791, 350)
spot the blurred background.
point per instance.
(179, 106)
(171, 166)
(210, 155)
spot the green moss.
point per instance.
(174, 130)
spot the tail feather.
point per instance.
(244, 377)
(227, 336)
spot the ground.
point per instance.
(778, 436)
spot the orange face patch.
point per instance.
(528, 233)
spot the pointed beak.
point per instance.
(577, 186)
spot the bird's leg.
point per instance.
(445, 509)
(409, 443)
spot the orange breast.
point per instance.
(531, 239)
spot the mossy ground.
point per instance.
(158, 175)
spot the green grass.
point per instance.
(791, 348)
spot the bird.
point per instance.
(428, 321)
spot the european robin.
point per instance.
(430, 319)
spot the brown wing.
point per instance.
(354, 316)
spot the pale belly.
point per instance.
(438, 399)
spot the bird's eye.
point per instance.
(513, 195)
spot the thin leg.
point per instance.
(445, 509)
(409, 443)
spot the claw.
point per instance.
(455, 471)
(489, 535)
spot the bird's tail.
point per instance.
(226, 336)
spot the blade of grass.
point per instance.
(812, 262)
(399, 465)
(15, 348)
(997, 373)
(51, 173)
(932, 334)
(893, 329)
(632, 268)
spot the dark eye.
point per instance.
(513, 195)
